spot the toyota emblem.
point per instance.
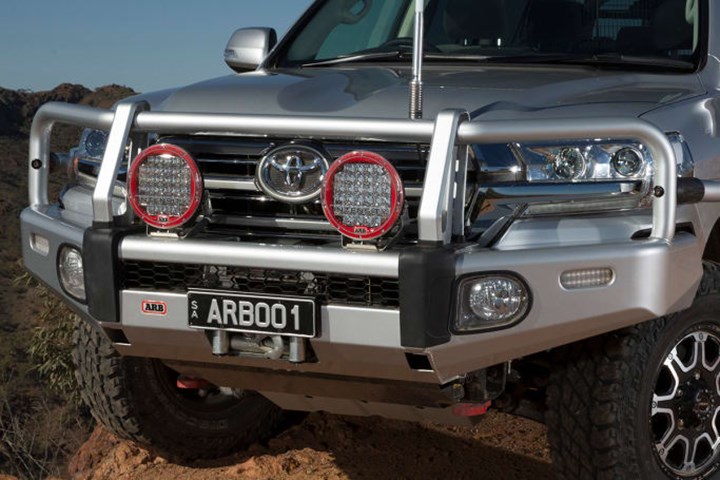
(292, 173)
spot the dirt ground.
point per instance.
(321, 447)
(326, 447)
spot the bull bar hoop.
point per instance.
(442, 201)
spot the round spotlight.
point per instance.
(363, 195)
(628, 162)
(569, 163)
(165, 186)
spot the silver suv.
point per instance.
(417, 210)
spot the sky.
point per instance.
(144, 44)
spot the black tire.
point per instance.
(618, 410)
(137, 399)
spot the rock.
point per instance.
(17, 107)
(92, 452)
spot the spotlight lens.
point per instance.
(363, 195)
(165, 186)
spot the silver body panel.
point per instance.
(462, 105)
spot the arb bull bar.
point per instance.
(366, 342)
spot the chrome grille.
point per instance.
(229, 165)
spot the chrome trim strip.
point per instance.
(559, 192)
(245, 184)
(301, 258)
(275, 222)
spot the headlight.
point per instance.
(87, 156)
(550, 178)
(585, 161)
(93, 143)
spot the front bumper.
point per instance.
(652, 278)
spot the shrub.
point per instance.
(51, 347)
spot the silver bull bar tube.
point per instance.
(444, 169)
(301, 258)
(40, 133)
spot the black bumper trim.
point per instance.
(427, 276)
(101, 264)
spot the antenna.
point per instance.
(416, 86)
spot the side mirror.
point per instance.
(248, 47)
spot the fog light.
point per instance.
(491, 301)
(70, 272)
(587, 278)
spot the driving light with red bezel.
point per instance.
(165, 186)
(363, 195)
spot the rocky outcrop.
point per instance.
(17, 107)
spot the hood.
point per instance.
(489, 93)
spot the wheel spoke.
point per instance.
(662, 406)
(709, 364)
(687, 365)
(664, 446)
(669, 365)
(670, 430)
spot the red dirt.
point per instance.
(326, 447)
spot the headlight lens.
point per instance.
(93, 142)
(569, 164)
(628, 162)
(585, 161)
(87, 156)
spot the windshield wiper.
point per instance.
(362, 57)
(611, 59)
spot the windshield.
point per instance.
(667, 31)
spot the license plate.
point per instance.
(246, 313)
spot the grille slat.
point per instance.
(327, 289)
